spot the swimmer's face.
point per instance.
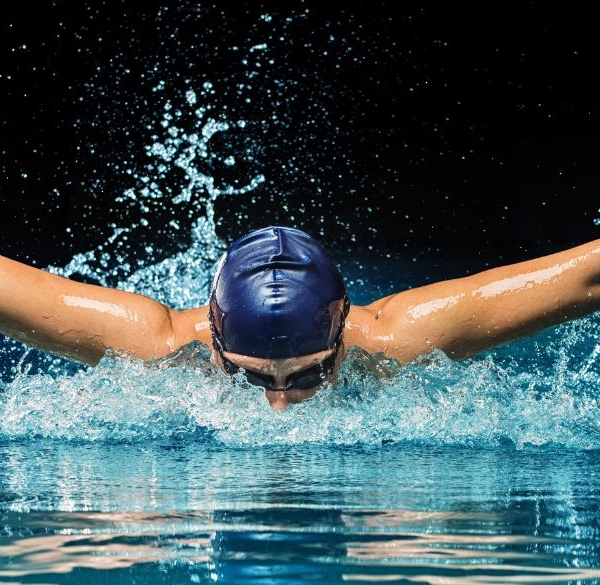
(288, 380)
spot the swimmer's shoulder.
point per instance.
(389, 325)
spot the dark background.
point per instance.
(454, 131)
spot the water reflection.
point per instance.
(287, 515)
(282, 545)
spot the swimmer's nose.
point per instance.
(277, 399)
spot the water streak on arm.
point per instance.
(427, 308)
(112, 309)
(520, 282)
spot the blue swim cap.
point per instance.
(276, 294)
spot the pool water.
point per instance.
(199, 511)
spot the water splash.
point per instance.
(181, 175)
(430, 401)
(181, 146)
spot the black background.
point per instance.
(452, 130)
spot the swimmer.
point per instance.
(278, 311)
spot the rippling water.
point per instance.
(195, 510)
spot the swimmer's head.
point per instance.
(277, 294)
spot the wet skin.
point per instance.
(280, 370)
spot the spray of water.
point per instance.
(181, 280)
(431, 401)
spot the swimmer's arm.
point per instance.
(81, 321)
(468, 315)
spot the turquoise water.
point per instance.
(199, 511)
(483, 471)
